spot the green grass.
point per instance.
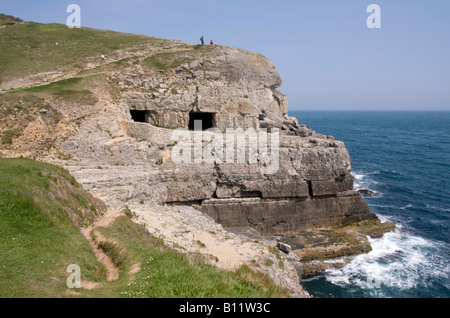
(3, 22)
(166, 273)
(31, 48)
(41, 211)
(170, 60)
(57, 88)
(165, 61)
(110, 249)
(71, 89)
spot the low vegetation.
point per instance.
(170, 60)
(70, 90)
(33, 48)
(167, 273)
(41, 211)
(165, 61)
(8, 19)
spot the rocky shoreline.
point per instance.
(322, 249)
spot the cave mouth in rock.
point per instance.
(206, 118)
(140, 116)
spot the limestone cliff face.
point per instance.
(123, 161)
(234, 85)
(313, 186)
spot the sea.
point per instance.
(404, 158)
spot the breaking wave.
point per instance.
(398, 264)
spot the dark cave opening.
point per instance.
(207, 120)
(140, 116)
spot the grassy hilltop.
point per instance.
(31, 48)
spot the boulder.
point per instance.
(284, 247)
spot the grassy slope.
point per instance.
(167, 273)
(32, 48)
(41, 211)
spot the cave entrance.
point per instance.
(206, 118)
(140, 116)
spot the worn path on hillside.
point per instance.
(87, 65)
(112, 271)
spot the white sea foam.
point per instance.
(397, 260)
(385, 218)
(358, 176)
(363, 181)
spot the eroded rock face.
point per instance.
(234, 85)
(312, 187)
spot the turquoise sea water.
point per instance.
(404, 157)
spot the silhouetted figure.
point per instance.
(202, 40)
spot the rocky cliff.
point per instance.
(114, 126)
(313, 186)
(234, 85)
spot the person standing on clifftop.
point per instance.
(212, 43)
(202, 40)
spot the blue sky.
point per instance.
(327, 56)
